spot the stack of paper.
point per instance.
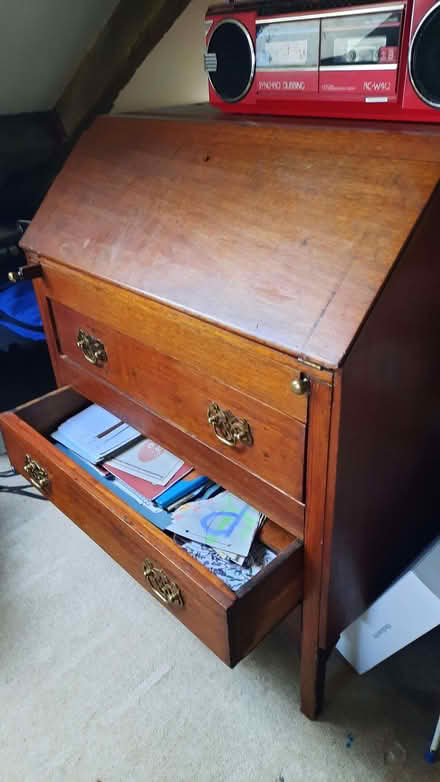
(145, 490)
(232, 574)
(224, 522)
(94, 434)
(147, 509)
(149, 461)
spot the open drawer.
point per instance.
(230, 623)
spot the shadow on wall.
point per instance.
(41, 44)
(31, 147)
(173, 73)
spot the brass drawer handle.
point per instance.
(228, 428)
(161, 585)
(37, 475)
(92, 349)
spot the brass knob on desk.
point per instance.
(92, 349)
(228, 428)
(29, 272)
(301, 385)
(161, 585)
(37, 475)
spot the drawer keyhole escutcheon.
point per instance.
(92, 349)
(161, 585)
(37, 475)
(228, 428)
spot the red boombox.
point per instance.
(378, 61)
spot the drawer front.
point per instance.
(288, 512)
(261, 439)
(262, 372)
(228, 623)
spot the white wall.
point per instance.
(41, 44)
(173, 73)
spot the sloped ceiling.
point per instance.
(172, 74)
(41, 44)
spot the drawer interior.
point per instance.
(48, 412)
(286, 511)
(249, 612)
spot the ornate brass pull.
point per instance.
(228, 428)
(37, 475)
(160, 584)
(92, 349)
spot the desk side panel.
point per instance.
(383, 498)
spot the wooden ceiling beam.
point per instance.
(133, 30)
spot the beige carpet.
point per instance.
(98, 682)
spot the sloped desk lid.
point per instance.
(280, 231)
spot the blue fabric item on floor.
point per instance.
(19, 311)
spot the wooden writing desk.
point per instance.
(288, 272)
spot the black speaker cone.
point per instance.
(424, 58)
(233, 47)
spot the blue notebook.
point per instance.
(186, 485)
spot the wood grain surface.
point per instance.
(182, 395)
(385, 492)
(47, 412)
(274, 537)
(312, 669)
(251, 617)
(257, 228)
(255, 369)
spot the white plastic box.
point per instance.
(407, 610)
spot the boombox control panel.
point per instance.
(378, 60)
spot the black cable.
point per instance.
(21, 490)
(8, 473)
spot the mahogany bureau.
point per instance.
(287, 271)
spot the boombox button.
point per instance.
(210, 61)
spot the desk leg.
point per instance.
(313, 669)
(313, 659)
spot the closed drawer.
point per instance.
(230, 623)
(267, 443)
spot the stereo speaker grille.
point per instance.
(424, 58)
(235, 60)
